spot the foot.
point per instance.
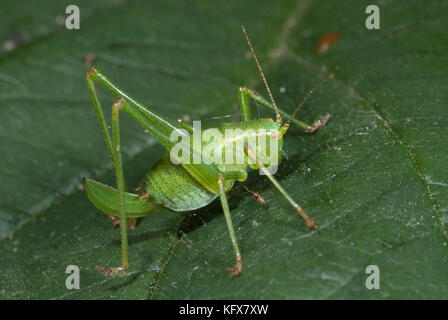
(256, 195)
(236, 270)
(311, 224)
(132, 223)
(319, 123)
(144, 196)
(308, 221)
(110, 271)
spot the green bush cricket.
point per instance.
(200, 184)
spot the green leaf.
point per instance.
(374, 178)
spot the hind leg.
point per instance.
(113, 144)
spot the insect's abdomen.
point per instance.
(173, 187)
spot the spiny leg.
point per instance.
(157, 125)
(113, 144)
(235, 270)
(308, 221)
(116, 150)
(245, 92)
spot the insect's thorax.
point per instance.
(176, 188)
(260, 136)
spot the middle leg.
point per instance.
(308, 221)
(235, 270)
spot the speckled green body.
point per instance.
(187, 185)
(173, 187)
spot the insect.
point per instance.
(187, 187)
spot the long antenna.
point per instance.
(353, 56)
(277, 114)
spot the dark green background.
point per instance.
(374, 179)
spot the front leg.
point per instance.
(244, 93)
(319, 123)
